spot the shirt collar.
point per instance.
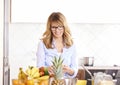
(53, 43)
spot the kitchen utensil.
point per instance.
(92, 77)
(88, 71)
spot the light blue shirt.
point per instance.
(45, 56)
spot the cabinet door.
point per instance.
(81, 74)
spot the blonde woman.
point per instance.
(57, 41)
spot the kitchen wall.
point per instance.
(82, 11)
(98, 40)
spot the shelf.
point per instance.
(102, 67)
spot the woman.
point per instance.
(57, 41)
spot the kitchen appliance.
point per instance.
(88, 61)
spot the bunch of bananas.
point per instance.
(33, 72)
(22, 75)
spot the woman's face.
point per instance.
(57, 30)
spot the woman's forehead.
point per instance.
(56, 23)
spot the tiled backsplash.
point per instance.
(99, 40)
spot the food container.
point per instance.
(81, 82)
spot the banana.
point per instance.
(33, 72)
(36, 75)
(44, 77)
(29, 71)
(22, 76)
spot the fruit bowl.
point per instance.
(67, 81)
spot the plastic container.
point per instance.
(81, 82)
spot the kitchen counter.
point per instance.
(84, 75)
(101, 67)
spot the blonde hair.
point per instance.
(47, 35)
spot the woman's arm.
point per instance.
(73, 70)
(40, 54)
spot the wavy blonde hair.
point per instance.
(48, 36)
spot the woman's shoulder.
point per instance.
(40, 42)
(73, 45)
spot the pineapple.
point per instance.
(57, 69)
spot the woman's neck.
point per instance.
(59, 44)
(58, 40)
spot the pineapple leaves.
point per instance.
(54, 64)
(57, 66)
(57, 62)
(60, 60)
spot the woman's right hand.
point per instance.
(50, 71)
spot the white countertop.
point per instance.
(101, 67)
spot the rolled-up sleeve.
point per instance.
(74, 63)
